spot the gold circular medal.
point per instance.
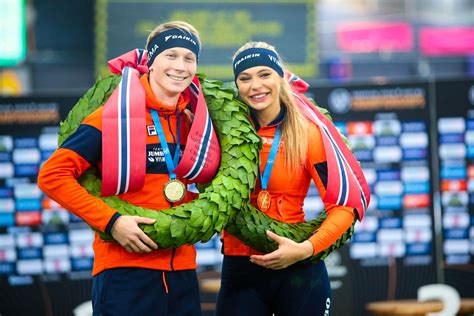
(174, 190)
(263, 200)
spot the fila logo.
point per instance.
(151, 130)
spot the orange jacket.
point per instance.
(288, 192)
(57, 179)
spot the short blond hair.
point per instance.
(185, 26)
(295, 125)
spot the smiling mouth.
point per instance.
(259, 96)
(177, 78)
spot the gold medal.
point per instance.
(263, 200)
(174, 190)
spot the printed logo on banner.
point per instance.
(27, 190)
(387, 141)
(28, 218)
(342, 127)
(364, 237)
(414, 140)
(390, 235)
(359, 128)
(56, 251)
(451, 138)
(456, 234)
(453, 185)
(362, 142)
(6, 143)
(81, 236)
(455, 220)
(394, 249)
(389, 154)
(451, 125)
(417, 187)
(454, 199)
(456, 246)
(7, 241)
(5, 157)
(48, 142)
(418, 235)
(390, 222)
(415, 174)
(7, 206)
(28, 205)
(370, 175)
(81, 250)
(26, 156)
(363, 155)
(29, 267)
(416, 221)
(453, 172)
(363, 250)
(55, 217)
(340, 101)
(452, 151)
(388, 175)
(7, 254)
(55, 238)
(413, 127)
(387, 202)
(457, 259)
(387, 128)
(82, 264)
(416, 201)
(34, 239)
(418, 249)
(369, 224)
(26, 142)
(7, 219)
(30, 253)
(388, 188)
(57, 265)
(26, 170)
(7, 268)
(415, 153)
(6, 170)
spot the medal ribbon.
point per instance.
(170, 162)
(271, 160)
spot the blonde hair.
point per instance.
(173, 25)
(295, 125)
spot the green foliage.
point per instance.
(225, 201)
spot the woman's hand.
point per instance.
(288, 253)
(127, 233)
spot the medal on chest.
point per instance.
(264, 197)
(174, 190)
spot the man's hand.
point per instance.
(288, 253)
(127, 233)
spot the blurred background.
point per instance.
(397, 75)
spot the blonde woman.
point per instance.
(280, 283)
(131, 276)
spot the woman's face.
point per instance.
(259, 87)
(173, 70)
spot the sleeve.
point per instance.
(340, 218)
(58, 178)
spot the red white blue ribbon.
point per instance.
(124, 139)
(346, 185)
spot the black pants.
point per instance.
(249, 289)
(136, 291)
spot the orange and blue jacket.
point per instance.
(83, 150)
(289, 189)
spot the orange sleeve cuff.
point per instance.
(338, 221)
(58, 179)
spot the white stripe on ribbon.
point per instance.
(208, 121)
